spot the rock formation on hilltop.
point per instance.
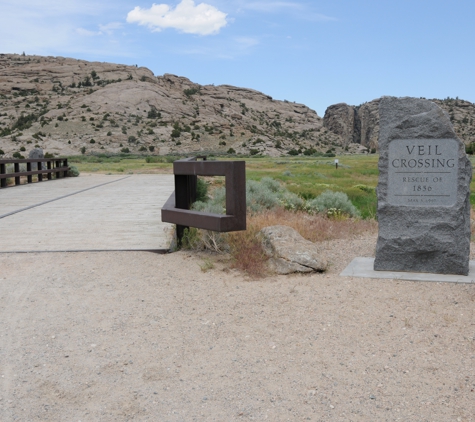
(360, 124)
(68, 106)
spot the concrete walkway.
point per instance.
(86, 213)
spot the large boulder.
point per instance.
(289, 252)
(36, 153)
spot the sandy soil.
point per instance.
(146, 337)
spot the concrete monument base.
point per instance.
(363, 267)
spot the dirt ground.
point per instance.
(119, 336)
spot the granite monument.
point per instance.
(423, 190)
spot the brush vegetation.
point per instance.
(284, 190)
(330, 215)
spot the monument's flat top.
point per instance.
(363, 267)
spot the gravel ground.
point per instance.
(118, 336)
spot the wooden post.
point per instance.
(3, 182)
(17, 170)
(50, 175)
(185, 195)
(57, 173)
(29, 177)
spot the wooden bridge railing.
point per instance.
(45, 166)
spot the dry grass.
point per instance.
(247, 252)
(246, 249)
(315, 228)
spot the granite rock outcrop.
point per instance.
(360, 124)
(66, 106)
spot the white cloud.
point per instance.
(110, 27)
(87, 33)
(202, 19)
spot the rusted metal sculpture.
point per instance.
(177, 209)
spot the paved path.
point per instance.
(86, 213)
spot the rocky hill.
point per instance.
(360, 124)
(69, 107)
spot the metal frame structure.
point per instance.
(177, 209)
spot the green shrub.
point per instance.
(190, 239)
(2, 152)
(201, 190)
(213, 206)
(22, 149)
(191, 91)
(24, 122)
(470, 149)
(18, 155)
(335, 201)
(73, 171)
(197, 239)
(161, 159)
(365, 188)
(154, 113)
(271, 184)
(291, 201)
(125, 150)
(260, 196)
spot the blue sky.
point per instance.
(313, 52)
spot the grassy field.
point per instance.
(357, 175)
(118, 164)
